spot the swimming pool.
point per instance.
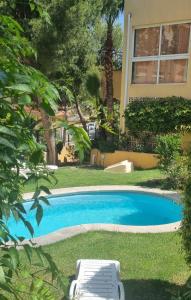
(104, 207)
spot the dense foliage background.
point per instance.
(159, 116)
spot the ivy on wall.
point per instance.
(158, 115)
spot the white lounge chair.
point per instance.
(97, 280)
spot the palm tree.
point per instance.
(110, 12)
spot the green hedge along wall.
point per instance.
(158, 115)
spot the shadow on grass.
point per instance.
(162, 184)
(149, 289)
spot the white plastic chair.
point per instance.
(97, 280)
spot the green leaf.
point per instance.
(44, 199)
(36, 157)
(32, 6)
(47, 108)
(28, 251)
(24, 100)
(2, 297)
(2, 275)
(20, 207)
(39, 214)
(45, 189)
(27, 224)
(5, 287)
(6, 143)
(14, 255)
(21, 87)
(7, 131)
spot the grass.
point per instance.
(152, 265)
(76, 176)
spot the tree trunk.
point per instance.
(108, 66)
(82, 119)
(49, 138)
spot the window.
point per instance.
(144, 72)
(147, 41)
(161, 54)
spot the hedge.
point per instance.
(158, 115)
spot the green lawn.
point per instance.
(152, 265)
(73, 176)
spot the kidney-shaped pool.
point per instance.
(113, 207)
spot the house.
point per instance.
(156, 52)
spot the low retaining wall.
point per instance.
(140, 160)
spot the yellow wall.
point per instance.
(116, 85)
(145, 13)
(67, 155)
(140, 160)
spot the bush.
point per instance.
(171, 162)
(168, 147)
(159, 116)
(177, 173)
(186, 223)
(184, 293)
(144, 142)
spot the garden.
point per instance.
(52, 56)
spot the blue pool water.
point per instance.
(126, 208)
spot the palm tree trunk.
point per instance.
(108, 66)
(49, 138)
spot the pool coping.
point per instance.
(69, 232)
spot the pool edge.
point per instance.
(69, 232)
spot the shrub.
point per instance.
(186, 223)
(183, 293)
(177, 172)
(168, 147)
(144, 142)
(159, 116)
(171, 162)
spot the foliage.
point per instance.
(159, 116)
(168, 147)
(22, 86)
(112, 9)
(105, 119)
(110, 12)
(184, 293)
(93, 82)
(19, 85)
(171, 160)
(80, 138)
(186, 223)
(145, 142)
(117, 35)
(177, 173)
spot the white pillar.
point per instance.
(125, 71)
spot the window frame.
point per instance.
(158, 58)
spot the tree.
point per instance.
(60, 34)
(68, 48)
(20, 84)
(110, 12)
